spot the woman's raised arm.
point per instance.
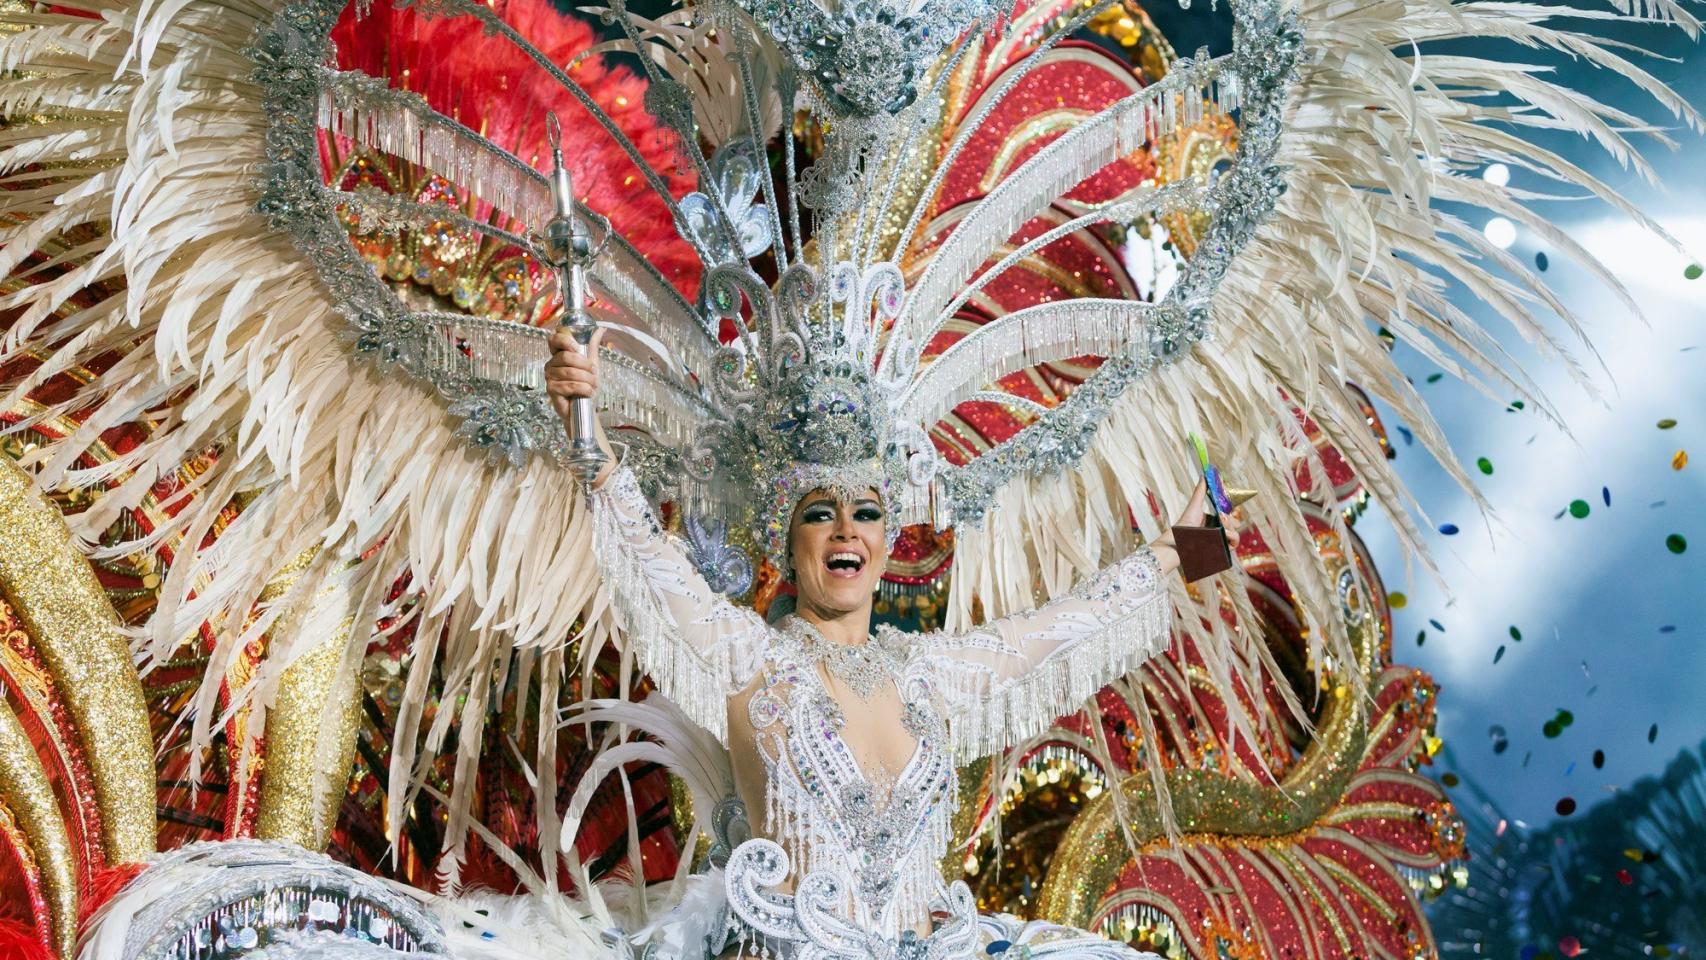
(1011, 678)
(698, 647)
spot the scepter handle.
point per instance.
(572, 250)
(586, 457)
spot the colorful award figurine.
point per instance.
(1203, 550)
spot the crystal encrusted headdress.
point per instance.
(831, 379)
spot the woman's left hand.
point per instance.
(1196, 510)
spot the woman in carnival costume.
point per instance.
(850, 741)
(170, 157)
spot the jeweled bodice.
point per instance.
(882, 833)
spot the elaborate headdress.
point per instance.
(828, 379)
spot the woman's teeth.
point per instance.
(844, 564)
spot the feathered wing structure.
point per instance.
(379, 436)
(228, 341)
(1379, 132)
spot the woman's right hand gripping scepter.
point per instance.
(570, 374)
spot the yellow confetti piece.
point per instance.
(1396, 600)
(1680, 460)
(1433, 745)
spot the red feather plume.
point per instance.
(20, 941)
(491, 86)
(104, 884)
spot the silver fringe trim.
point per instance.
(621, 276)
(1174, 197)
(795, 820)
(695, 681)
(638, 396)
(400, 123)
(382, 211)
(493, 371)
(457, 347)
(1040, 334)
(1026, 707)
(1015, 401)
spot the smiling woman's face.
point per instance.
(839, 551)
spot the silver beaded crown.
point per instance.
(827, 382)
(817, 415)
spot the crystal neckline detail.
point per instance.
(862, 666)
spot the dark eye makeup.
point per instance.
(823, 511)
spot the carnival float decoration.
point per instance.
(302, 652)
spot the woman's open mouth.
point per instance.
(844, 564)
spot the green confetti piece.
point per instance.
(1516, 405)
(1676, 543)
(1485, 465)
(1551, 729)
(1578, 508)
(1516, 634)
(1435, 377)
(1421, 637)
(1396, 601)
(1666, 423)
(1694, 271)
(1565, 718)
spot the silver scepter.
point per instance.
(572, 248)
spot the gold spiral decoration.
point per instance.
(1093, 851)
(62, 605)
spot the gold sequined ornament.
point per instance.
(315, 718)
(80, 640)
(27, 792)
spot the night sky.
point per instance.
(1613, 623)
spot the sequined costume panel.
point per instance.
(851, 753)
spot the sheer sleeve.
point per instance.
(1011, 678)
(695, 644)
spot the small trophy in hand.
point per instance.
(1203, 548)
